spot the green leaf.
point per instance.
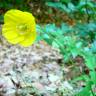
(90, 61)
(58, 5)
(65, 1)
(1, 18)
(93, 76)
(85, 91)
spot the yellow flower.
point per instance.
(19, 27)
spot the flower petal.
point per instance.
(28, 17)
(29, 40)
(9, 32)
(13, 16)
(10, 35)
(16, 40)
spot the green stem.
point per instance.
(92, 92)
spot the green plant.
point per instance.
(76, 40)
(90, 77)
(75, 9)
(73, 41)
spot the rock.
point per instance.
(53, 78)
(38, 85)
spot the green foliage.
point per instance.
(86, 90)
(73, 41)
(9, 4)
(70, 40)
(76, 8)
(1, 18)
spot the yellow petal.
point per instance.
(9, 32)
(10, 35)
(18, 16)
(28, 17)
(13, 16)
(9, 25)
(16, 40)
(29, 40)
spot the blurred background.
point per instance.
(65, 47)
(56, 11)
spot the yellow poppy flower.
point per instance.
(19, 27)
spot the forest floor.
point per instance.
(37, 67)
